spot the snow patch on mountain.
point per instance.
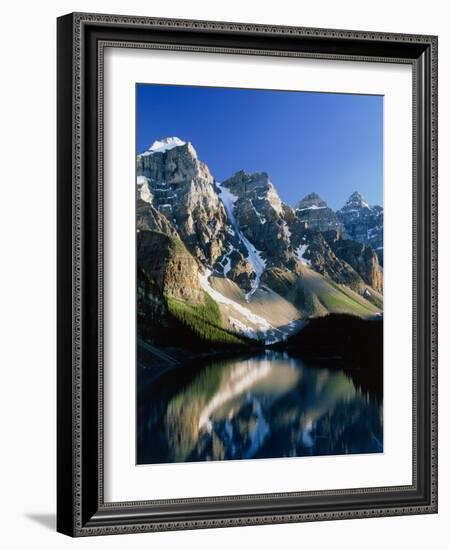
(243, 320)
(312, 207)
(254, 256)
(226, 263)
(262, 219)
(257, 320)
(242, 328)
(300, 251)
(143, 184)
(141, 180)
(163, 145)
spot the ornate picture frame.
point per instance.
(81, 507)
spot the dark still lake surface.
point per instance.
(264, 406)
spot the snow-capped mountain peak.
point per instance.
(163, 145)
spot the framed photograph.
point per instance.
(247, 279)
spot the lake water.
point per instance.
(265, 406)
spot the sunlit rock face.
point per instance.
(361, 257)
(178, 185)
(169, 265)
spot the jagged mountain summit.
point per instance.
(315, 214)
(363, 223)
(312, 201)
(355, 203)
(356, 220)
(236, 249)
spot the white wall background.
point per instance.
(28, 283)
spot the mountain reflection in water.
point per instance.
(266, 406)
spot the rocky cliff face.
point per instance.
(148, 218)
(178, 185)
(363, 223)
(361, 257)
(169, 265)
(314, 213)
(327, 261)
(261, 215)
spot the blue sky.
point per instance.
(328, 143)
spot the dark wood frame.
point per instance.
(81, 509)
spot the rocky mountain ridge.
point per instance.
(268, 266)
(356, 220)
